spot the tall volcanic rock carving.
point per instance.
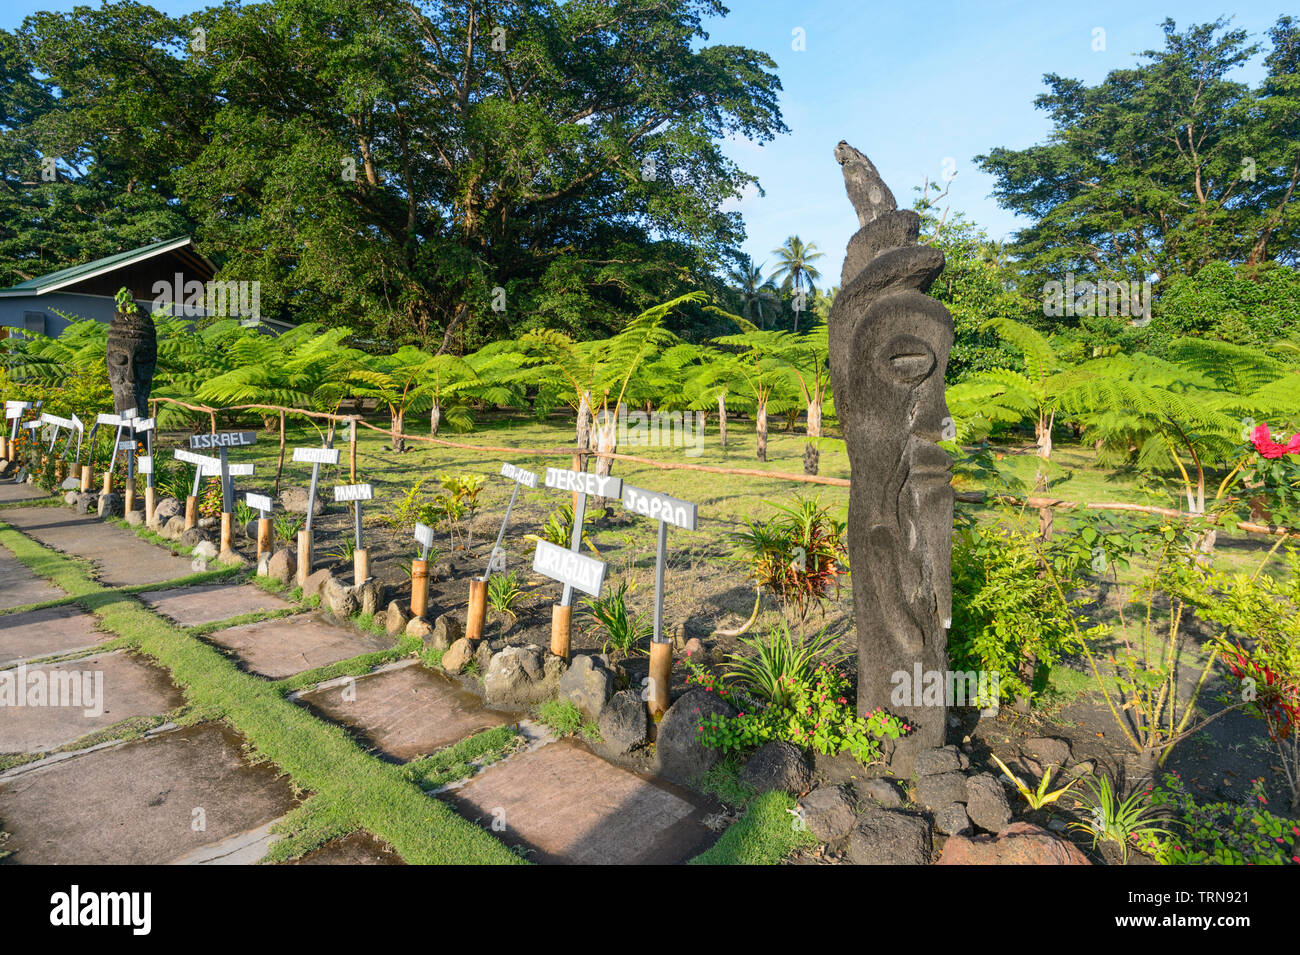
(889, 345)
(132, 354)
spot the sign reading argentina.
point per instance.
(223, 439)
(569, 567)
(316, 455)
(659, 507)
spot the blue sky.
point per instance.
(910, 84)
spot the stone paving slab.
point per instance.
(135, 804)
(196, 606)
(570, 806)
(9, 491)
(42, 633)
(19, 586)
(282, 647)
(404, 712)
(121, 558)
(359, 848)
(106, 689)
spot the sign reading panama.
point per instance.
(584, 483)
(568, 567)
(223, 439)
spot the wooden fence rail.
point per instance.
(963, 497)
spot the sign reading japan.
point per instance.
(223, 439)
(660, 507)
(526, 478)
(583, 483)
(354, 492)
(316, 455)
(569, 567)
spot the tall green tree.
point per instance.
(796, 273)
(1164, 167)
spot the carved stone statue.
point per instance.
(889, 345)
(132, 354)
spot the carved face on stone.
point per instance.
(132, 355)
(900, 352)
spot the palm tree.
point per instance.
(752, 289)
(793, 269)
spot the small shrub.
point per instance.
(287, 527)
(623, 631)
(1223, 833)
(797, 555)
(503, 593)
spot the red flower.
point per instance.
(1269, 448)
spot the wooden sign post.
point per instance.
(223, 441)
(262, 505)
(14, 412)
(316, 457)
(666, 510)
(356, 493)
(147, 426)
(113, 421)
(420, 571)
(200, 462)
(476, 616)
(581, 484)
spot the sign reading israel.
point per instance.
(223, 439)
(570, 568)
(584, 483)
(659, 507)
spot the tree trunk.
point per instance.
(761, 431)
(606, 440)
(435, 418)
(811, 458)
(1043, 438)
(722, 418)
(584, 426)
(399, 443)
(815, 418)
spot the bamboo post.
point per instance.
(304, 556)
(419, 587)
(108, 483)
(661, 674)
(87, 476)
(4, 448)
(360, 565)
(227, 531)
(128, 495)
(263, 536)
(191, 512)
(476, 617)
(561, 617)
(148, 505)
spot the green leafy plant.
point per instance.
(797, 555)
(1040, 796)
(819, 715)
(407, 510)
(503, 592)
(346, 547)
(565, 719)
(1224, 833)
(287, 526)
(210, 499)
(623, 631)
(244, 513)
(780, 663)
(1132, 822)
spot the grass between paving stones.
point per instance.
(765, 835)
(307, 828)
(121, 732)
(461, 760)
(565, 719)
(319, 757)
(255, 616)
(32, 502)
(356, 666)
